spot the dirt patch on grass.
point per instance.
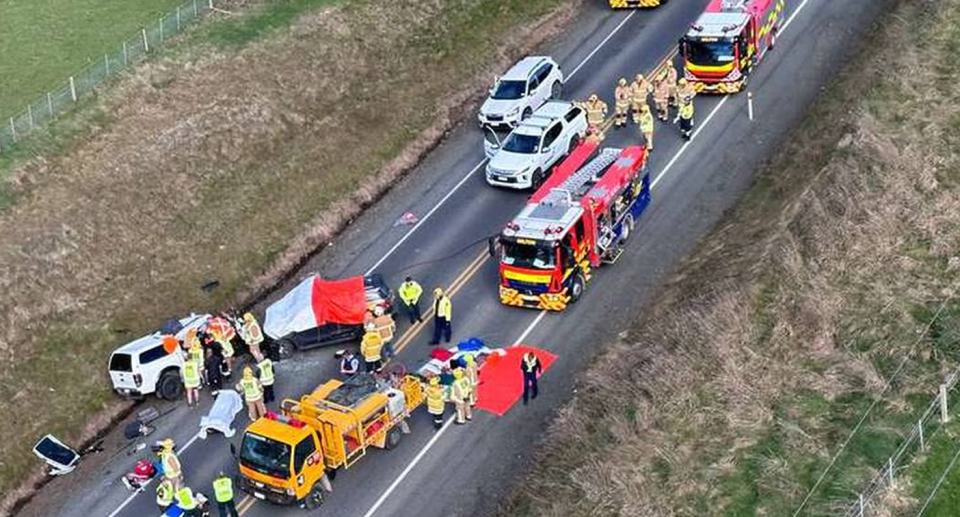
(211, 163)
(732, 394)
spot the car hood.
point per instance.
(498, 106)
(516, 162)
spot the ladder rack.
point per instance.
(570, 187)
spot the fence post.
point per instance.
(50, 104)
(30, 115)
(125, 58)
(195, 12)
(106, 64)
(146, 44)
(944, 416)
(861, 505)
(73, 89)
(210, 4)
(161, 29)
(13, 130)
(890, 471)
(920, 429)
(178, 19)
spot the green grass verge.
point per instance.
(45, 41)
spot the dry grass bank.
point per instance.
(228, 163)
(732, 394)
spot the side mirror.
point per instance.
(492, 246)
(233, 451)
(546, 149)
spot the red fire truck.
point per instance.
(581, 217)
(730, 38)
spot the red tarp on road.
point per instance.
(501, 380)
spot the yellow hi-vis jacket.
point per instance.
(370, 346)
(223, 489)
(191, 374)
(252, 390)
(444, 308)
(646, 122)
(266, 372)
(686, 111)
(171, 464)
(460, 390)
(165, 493)
(410, 292)
(435, 400)
(185, 499)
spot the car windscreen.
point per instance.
(265, 456)
(509, 90)
(120, 362)
(528, 255)
(709, 53)
(523, 144)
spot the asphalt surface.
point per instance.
(468, 470)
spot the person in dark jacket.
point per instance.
(213, 364)
(531, 368)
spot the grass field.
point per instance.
(44, 41)
(733, 393)
(221, 158)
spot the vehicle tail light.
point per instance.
(137, 379)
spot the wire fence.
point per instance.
(60, 99)
(933, 420)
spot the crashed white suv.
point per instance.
(527, 155)
(142, 366)
(516, 95)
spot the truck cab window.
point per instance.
(303, 451)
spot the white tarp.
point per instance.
(221, 415)
(293, 312)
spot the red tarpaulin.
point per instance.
(338, 301)
(501, 380)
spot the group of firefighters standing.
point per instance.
(634, 98)
(209, 356)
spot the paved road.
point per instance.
(468, 470)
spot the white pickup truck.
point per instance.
(525, 158)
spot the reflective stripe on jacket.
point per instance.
(370, 346)
(185, 499)
(170, 464)
(435, 400)
(686, 111)
(252, 391)
(191, 374)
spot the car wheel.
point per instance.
(574, 142)
(314, 499)
(284, 348)
(393, 439)
(576, 288)
(537, 179)
(526, 114)
(556, 90)
(170, 386)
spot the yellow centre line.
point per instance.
(247, 502)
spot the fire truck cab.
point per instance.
(578, 219)
(730, 38)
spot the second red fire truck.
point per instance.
(730, 38)
(581, 217)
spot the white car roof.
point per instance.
(522, 70)
(543, 117)
(138, 345)
(553, 109)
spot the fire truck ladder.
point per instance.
(572, 187)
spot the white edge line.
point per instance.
(598, 47)
(426, 448)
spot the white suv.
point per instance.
(527, 155)
(142, 367)
(516, 95)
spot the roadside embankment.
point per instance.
(830, 288)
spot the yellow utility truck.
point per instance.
(286, 458)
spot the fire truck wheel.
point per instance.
(537, 179)
(393, 439)
(627, 228)
(576, 287)
(314, 499)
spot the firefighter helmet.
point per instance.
(593, 98)
(434, 381)
(622, 82)
(639, 78)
